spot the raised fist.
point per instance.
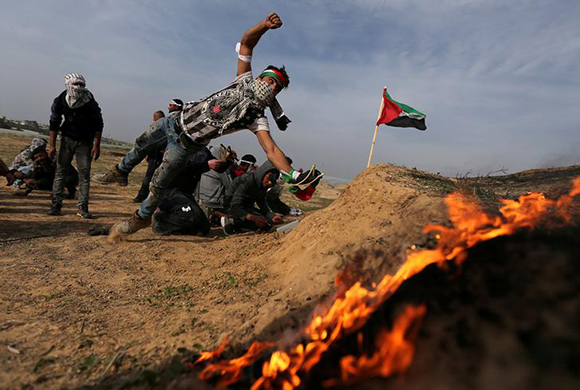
(273, 21)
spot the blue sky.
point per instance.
(498, 80)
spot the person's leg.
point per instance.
(83, 152)
(144, 190)
(173, 162)
(45, 183)
(64, 158)
(155, 137)
(71, 181)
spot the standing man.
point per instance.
(238, 106)
(81, 133)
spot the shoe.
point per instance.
(84, 213)
(113, 176)
(228, 226)
(54, 210)
(22, 192)
(132, 225)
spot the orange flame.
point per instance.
(229, 372)
(350, 311)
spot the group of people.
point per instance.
(176, 146)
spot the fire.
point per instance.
(350, 310)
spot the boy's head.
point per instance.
(275, 77)
(39, 154)
(269, 179)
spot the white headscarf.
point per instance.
(77, 95)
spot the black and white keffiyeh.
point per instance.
(233, 105)
(77, 94)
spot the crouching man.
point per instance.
(178, 211)
(247, 192)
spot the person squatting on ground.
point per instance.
(81, 132)
(22, 164)
(154, 138)
(238, 106)
(247, 191)
(212, 187)
(153, 161)
(24, 160)
(178, 211)
(276, 204)
(41, 175)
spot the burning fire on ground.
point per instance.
(351, 309)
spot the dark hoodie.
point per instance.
(247, 190)
(80, 124)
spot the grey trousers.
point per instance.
(68, 148)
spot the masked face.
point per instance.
(263, 92)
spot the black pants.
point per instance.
(153, 163)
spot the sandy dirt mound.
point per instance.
(383, 211)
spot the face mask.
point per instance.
(77, 95)
(263, 92)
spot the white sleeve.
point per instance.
(260, 124)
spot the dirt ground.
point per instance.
(75, 309)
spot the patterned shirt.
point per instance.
(202, 120)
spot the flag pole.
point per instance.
(376, 128)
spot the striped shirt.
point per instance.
(200, 120)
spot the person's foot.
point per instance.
(84, 213)
(132, 225)
(115, 175)
(24, 192)
(54, 210)
(228, 226)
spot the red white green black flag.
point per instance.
(399, 114)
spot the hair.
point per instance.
(160, 113)
(40, 149)
(281, 70)
(248, 157)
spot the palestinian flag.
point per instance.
(399, 114)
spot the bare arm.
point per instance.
(96, 152)
(252, 36)
(52, 144)
(275, 155)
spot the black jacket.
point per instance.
(246, 190)
(80, 124)
(188, 178)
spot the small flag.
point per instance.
(399, 114)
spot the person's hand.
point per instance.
(10, 178)
(273, 21)
(309, 178)
(51, 151)
(260, 221)
(96, 152)
(277, 219)
(214, 164)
